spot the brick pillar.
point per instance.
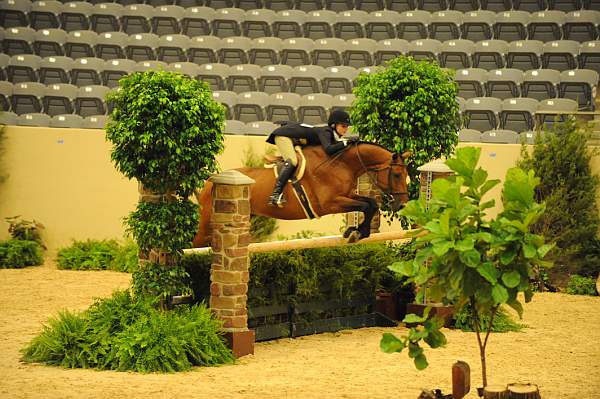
(229, 274)
(365, 188)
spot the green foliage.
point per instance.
(166, 130)
(561, 158)
(467, 257)
(502, 322)
(16, 253)
(125, 334)
(169, 226)
(99, 255)
(159, 281)
(580, 285)
(408, 106)
(28, 230)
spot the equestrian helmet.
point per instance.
(338, 116)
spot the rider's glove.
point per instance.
(351, 140)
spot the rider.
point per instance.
(290, 134)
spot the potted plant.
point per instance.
(467, 257)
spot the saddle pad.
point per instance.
(299, 172)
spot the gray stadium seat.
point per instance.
(339, 5)
(27, 97)
(151, 65)
(501, 136)
(18, 40)
(296, 51)
(87, 71)
(555, 108)
(560, 55)
(4, 58)
(279, 5)
(94, 122)
(49, 42)
(464, 5)
(518, 114)
(234, 127)
(274, 78)
(530, 5)
(234, 50)
(373, 5)
(258, 23)
(381, 24)
(8, 118)
(197, 21)
(456, 53)
(55, 70)
(589, 55)
(173, 48)
(319, 24)
(343, 101)
(328, 51)
(166, 19)
(305, 79)
(14, 13)
(248, 4)
(106, 17)
(283, 107)
(33, 119)
(314, 108)
(265, 51)
(6, 89)
(569, 5)
(260, 128)
(338, 79)
(413, 25)
(215, 74)
(23, 68)
(511, 25)
(482, 113)
(142, 46)
(58, 99)
(228, 22)
(388, 49)
(44, 14)
(546, 25)
(540, 83)
(203, 49)
(528, 137)
(250, 106)
(187, 68)
(75, 15)
(136, 18)
(80, 44)
(398, 5)
(359, 52)
(471, 82)
(490, 54)
(445, 25)
(425, 49)
(226, 98)
(67, 121)
(581, 25)
(579, 85)
(469, 136)
(243, 77)
(115, 70)
(289, 24)
(524, 54)
(478, 25)
(110, 45)
(90, 100)
(350, 24)
(432, 5)
(504, 83)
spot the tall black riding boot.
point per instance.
(276, 199)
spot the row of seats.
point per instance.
(61, 121)
(551, 25)
(497, 136)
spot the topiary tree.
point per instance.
(408, 106)
(166, 130)
(561, 158)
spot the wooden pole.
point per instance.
(317, 242)
(523, 391)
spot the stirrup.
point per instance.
(277, 201)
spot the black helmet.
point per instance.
(338, 116)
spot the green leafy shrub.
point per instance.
(408, 106)
(98, 255)
(20, 253)
(561, 158)
(153, 279)
(465, 257)
(501, 323)
(580, 285)
(124, 334)
(27, 230)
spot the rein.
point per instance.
(386, 191)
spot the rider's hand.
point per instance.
(353, 139)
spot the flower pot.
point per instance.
(386, 304)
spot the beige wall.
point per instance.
(64, 178)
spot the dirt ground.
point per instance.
(560, 351)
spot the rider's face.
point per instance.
(341, 128)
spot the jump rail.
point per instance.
(317, 242)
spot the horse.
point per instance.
(330, 184)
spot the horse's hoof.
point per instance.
(349, 231)
(353, 236)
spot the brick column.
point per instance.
(229, 274)
(436, 169)
(365, 188)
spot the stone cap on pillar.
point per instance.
(231, 177)
(436, 166)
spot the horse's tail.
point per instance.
(204, 197)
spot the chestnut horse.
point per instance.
(330, 184)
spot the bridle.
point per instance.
(386, 191)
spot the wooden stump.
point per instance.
(495, 392)
(461, 379)
(523, 391)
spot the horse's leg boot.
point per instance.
(276, 198)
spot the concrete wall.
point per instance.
(64, 178)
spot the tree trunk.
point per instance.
(495, 392)
(523, 391)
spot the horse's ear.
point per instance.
(406, 155)
(394, 157)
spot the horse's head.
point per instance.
(392, 178)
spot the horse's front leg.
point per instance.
(366, 205)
